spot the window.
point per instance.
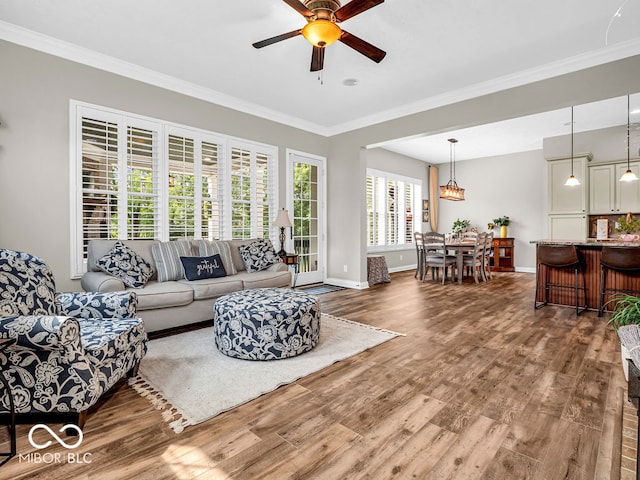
(393, 203)
(193, 186)
(140, 178)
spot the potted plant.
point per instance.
(626, 311)
(502, 222)
(460, 226)
(627, 227)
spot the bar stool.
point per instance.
(560, 257)
(619, 259)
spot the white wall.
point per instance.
(512, 185)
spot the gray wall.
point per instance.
(607, 144)
(35, 90)
(346, 161)
(512, 185)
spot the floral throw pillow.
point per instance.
(258, 255)
(127, 265)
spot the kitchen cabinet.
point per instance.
(564, 199)
(568, 227)
(608, 195)
(568, 205)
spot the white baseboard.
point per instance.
(526, 269)
(340, 282)
(403, 268)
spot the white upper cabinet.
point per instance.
(602, 191)
(608, 195)
(627, 193)
(564, 199)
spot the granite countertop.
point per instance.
(589, 242)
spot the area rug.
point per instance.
(185, 376)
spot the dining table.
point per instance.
(460, 247)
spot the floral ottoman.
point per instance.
(266, 323)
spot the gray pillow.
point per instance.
(167, 257)
(206, 248)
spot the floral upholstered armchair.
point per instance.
(69, 348)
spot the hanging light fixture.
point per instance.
(572, 181)
(451, 191)
(628, 176)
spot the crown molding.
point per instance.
(37, 41)
(52, 46)
(543, 72)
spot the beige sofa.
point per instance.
(171, 304)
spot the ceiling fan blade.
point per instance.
(317, 59)
(299, 7)
(354, 7)
(365, 48)
(277, 38)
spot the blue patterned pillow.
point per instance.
(258, 255)
(127, 265)
(198, 268)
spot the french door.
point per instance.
(305, 202)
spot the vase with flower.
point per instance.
(502, 222)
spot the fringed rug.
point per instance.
(185, 376)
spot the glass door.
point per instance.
(305, 198)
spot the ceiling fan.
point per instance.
(322, 28)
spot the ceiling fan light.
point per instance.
(321, 33)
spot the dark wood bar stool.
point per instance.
(625, 260)
(560, 257)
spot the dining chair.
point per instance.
(474, 259)
(418, 240)
(488, 249)
(436, 257)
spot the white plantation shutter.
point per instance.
(371, 214)
(253, 191)
(211, 198)
(392, 206)
(137, 178)
(264, 181)
(182, 187)
(99, 174)
(142, 184)
(240, 193)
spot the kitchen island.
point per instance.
(589, 252)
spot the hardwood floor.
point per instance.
(481, 387)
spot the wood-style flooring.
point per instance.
(481, 387)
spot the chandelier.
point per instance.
(451, 191)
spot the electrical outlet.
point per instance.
(345, 268)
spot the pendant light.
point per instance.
(628, 176)
(451, 191)
(572, 181)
